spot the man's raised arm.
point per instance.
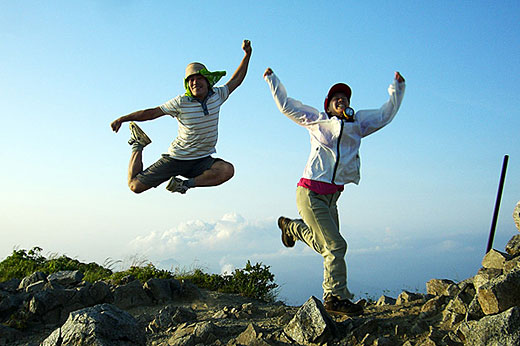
(142, 115)
(240, 73)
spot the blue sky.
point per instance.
(429, 180)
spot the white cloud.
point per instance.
(221, 245)
(375, 260)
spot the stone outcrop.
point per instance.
(311, 324)
(103, 324)
(61, 309)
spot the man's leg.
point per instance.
(138, 140)
(135, 167)
(220, 172)
(214, 172)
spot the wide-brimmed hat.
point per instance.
(194, 68)
(198, 68)
(337, 88)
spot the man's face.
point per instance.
(198, 86)
(338, 103)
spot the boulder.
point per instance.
(96, 293)
(385, 300)
(162, 290)
(513, 246)
(434, 305)
(103, 324)
(500, 293)
(10, 285)
(189, 290)
(194, 334)
(52, 306)
(131, 295)
(407, 297)
(439, 287)
(512, 265)
(251, 336)
(484, 275)
(66, 277)
(495, 259)
(31, 279)
(311, 324)
(502, 329)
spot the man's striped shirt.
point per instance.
(198, 124)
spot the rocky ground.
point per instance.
(61, 309)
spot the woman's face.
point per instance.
(338, 103)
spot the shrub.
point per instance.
(23, 263)
(254, 281)
(142, 273)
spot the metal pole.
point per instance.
(497, 204)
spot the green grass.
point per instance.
(253, 281)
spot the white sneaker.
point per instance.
(176, 185)
(138, 135)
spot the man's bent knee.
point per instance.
(136, 186)
(224, 170)
(228, 172)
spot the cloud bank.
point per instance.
(377, 261)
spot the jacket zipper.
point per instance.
(339, 155)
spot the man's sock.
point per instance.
(136, 146)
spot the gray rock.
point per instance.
(96, 293)
(407, 297)
(484, 275)
(385, 300)
(9, 303)
(52, 306)
(130, 295)
(170, 316)
(10, 285)
(438, 287)
(102, 324)
(513, 246)
(500, 330)
(35, 287)
(434, 305)
(311, 324)
(189, 290)
(194, 334)
(249, 336)
(500, 293)
(66, 277)
(161, 290)
(512, 265)
(495, 259)
(455, 311)
(30, 279)
(474, 311)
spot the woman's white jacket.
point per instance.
(334, 156)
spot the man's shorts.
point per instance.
(167, 167)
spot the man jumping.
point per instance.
(189, 155)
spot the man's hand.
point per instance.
(116, 125)
(398, 77)
(246, 46)
(268, 72)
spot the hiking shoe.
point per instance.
(176, 185)
(342, 306)
(287, 238)
(138, 136)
